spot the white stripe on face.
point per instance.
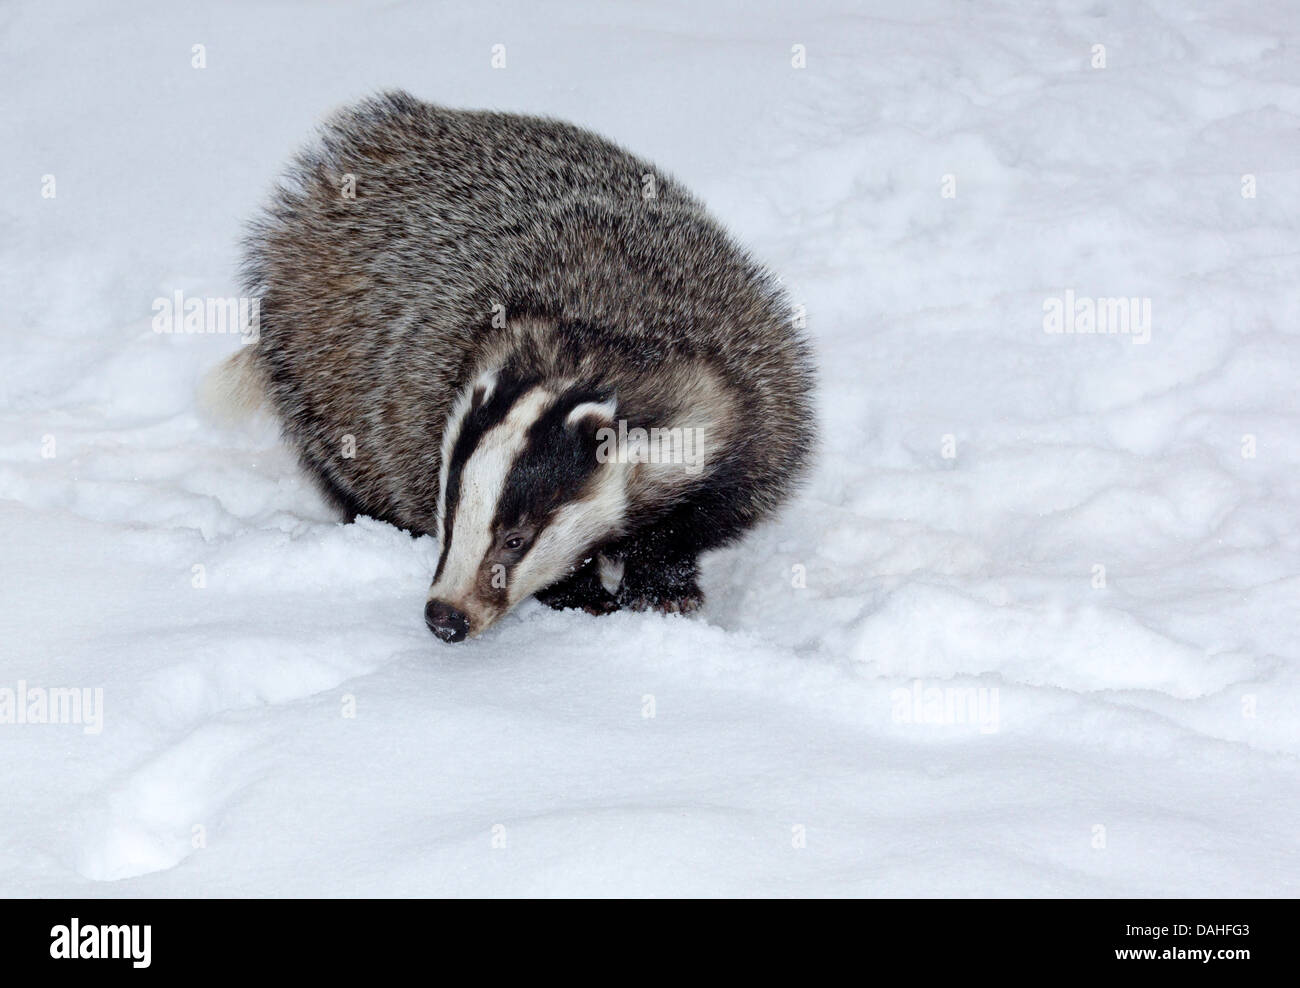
(479, 391)
(481, 482)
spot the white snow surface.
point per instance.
(1139, 732)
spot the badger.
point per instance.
(507, 332)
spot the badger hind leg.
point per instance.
(235, 390)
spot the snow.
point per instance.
(278, 721)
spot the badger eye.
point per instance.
(515, 542)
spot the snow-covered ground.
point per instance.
(1094, 537)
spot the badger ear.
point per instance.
(482, 389)
(588, 416)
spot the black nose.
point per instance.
(445, 621)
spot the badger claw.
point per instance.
(675, 603)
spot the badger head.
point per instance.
(523, 497)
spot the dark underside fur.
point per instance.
(378, 309)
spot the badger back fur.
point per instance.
(455, 304)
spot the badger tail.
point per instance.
(235, 390)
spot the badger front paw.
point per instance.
(670, 587)
(611, 582)
(582, 590)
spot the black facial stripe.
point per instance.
(552, 468)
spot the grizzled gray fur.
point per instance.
(476, 299)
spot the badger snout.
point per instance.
(445, 621)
